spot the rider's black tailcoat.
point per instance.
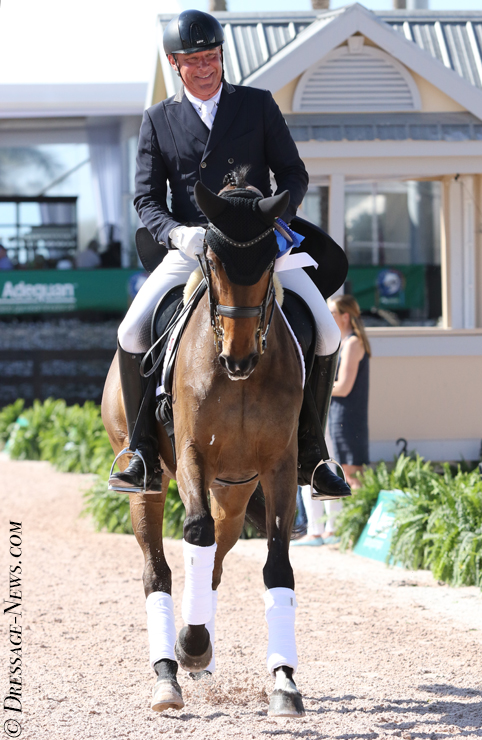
(176, 146)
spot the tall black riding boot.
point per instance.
(326, 485)
(133, 388)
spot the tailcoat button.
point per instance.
(203, 164)
(230, 160)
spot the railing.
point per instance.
(75, 375)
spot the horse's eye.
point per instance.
(212, 266)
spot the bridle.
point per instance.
(217, 310)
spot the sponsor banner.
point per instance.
(50, 291)
(389, 287)
(374, 541)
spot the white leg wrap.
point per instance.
(197, 597)
(161, 627)
(280, 605)
(210, 628)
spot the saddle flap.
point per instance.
(151, 253)
(302, 322)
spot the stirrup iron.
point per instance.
(118, 488)
(325, 462)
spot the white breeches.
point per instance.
(135, 331)
(316, 512)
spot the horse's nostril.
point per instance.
(223, 361)
(239, 368)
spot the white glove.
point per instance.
(189, 239)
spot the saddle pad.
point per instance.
(302, 324)
(297, 345)
(175, 334)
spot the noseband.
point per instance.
(238, 312)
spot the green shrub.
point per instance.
(31, 427)
(110, 510)
(438, 520)
(72, 438)
(357, 508)
(8, 417)
(438, 525)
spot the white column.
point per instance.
(468, 253)
(455, 251)
(336, 209)
(336, 213)
(445, 252)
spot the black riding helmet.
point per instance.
(192, 31)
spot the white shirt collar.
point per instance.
(197, 103)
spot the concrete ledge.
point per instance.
(437, 450)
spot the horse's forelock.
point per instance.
(237, 178)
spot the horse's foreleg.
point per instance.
(147, 515)
(228, 508)
(193, 647)
(280, 487)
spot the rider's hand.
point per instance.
(189, 239)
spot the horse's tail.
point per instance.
(256, 514)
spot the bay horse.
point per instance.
(228, 437)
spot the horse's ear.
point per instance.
(209, 203)
(275, 206)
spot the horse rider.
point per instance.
(205, 130)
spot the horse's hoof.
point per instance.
(286, 704)
(200, 675)
(285, 701)
(193, 663)
(166, 694)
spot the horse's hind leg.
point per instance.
(147, 514)
(280, 487)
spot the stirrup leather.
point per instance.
(131, 489)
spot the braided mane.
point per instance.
(237, 177)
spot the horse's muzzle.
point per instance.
(239, 369)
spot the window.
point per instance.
(392, 240)
(315, 206)
(56, 171)
(38, 232)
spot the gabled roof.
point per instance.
(263, 49)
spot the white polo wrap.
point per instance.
(161, 627)
(280, 607)
(197, 598)
(210, 628)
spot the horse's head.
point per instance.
(239, 257)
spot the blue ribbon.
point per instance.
(284, 245)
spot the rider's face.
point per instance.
(201, 72)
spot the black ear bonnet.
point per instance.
(237, 214)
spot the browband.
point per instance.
(241, 244)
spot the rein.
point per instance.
(238, 312)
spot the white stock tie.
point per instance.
(207, 113)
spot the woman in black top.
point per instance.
(348, 417)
